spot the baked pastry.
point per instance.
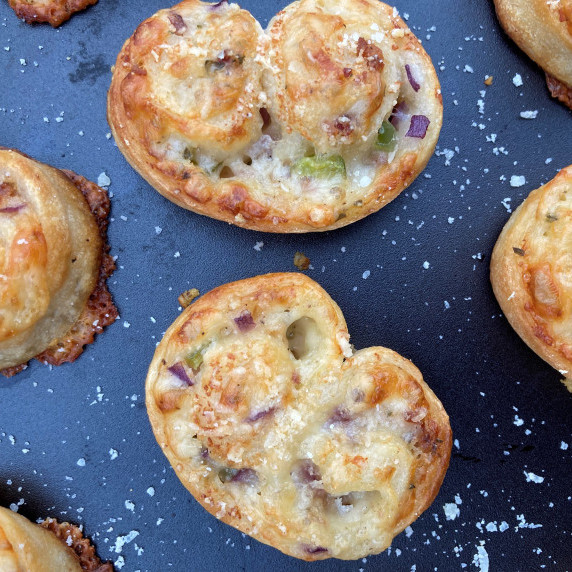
(316, 122)
(54, 263)
(531, 271)
(543, 29)
(279, 429)
(55, 12)
(50, 546)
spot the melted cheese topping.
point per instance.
(532, 271)
(280, 431)
(217, 113)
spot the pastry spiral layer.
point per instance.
(310, 125)
(277, 428)
(53, 262)
(531, 271)
(55, 12)
(543, 30)
(50, 546)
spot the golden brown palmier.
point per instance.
(51, 546)
(55, 12)
(531, 271)
(543, 29)
(279, 429)
(278, 130)
(53, 263)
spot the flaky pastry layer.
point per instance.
(55, 12)
(543, 30)
(276, 130)
(531, 271)
(279, 429)
(53, 262)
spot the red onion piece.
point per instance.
(245, 322)
(340, 415)
(411, 79)
(14, 209)
(399, 113)
(177, 22)
(313, 549)
(179, 371)
(245, 476)
(418, 127)
(306, 471)
(261, 414)
(218, 4)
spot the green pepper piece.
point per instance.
(195, 359)
(386, 140)
(227, 474)
(324, 167)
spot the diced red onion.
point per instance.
(218, 4)
(306, 471)
(177, 22)
(340, 415)
(261, 414)
(179, 371)
(245, 322)
(399, 113)
(245, 476)
(313, 549)
(14, 209)
(411, 79)
(418, 127)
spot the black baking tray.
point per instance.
(75, 441)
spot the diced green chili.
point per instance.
(324, 167)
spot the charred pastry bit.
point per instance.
(301, 261)
(518, 251)
(187, 297)
(286, 434)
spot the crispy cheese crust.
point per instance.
(543, 29)
(276, 130)
(277, 428)
(53, 262)
(55, 12)
(531, 271)
(51, 546)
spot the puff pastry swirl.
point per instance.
(543, 29)
(53, 262)
(277, 428)
(310, 125)
(55, 12)
(531, 271)
(28, 547)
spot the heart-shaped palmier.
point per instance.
(543, 30)
(310, 125)
(278, 428)
(54, 263)
(531, 271)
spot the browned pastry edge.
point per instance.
(100, 310)
(55, 13)
(72, 536)
(559, 90)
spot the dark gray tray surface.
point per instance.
(75, 442)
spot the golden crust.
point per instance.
(278, 429)
(27, 546)
(531, 271)
(543, 30)
(53, 262)
(55, 12)
(218, 114)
